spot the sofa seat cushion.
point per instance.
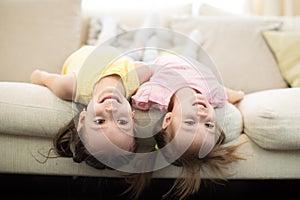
(33, 110)
(28, 109)
(271, 118)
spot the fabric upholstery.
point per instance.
(37, 34)
(271, 118)
(28, 109)
(33, 110)
(240, 54)
(27, 158)
(41, 34)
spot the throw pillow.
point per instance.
(286, 48)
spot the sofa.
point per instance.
(245, 50)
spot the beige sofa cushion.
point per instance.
(271, 118)
(37, 34)
(28, 109)
(237, 47)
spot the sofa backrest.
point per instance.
(42, 34)
(132, 17)
(37, 34)
(237, 47)
(234, 43)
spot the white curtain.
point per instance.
(274, 7)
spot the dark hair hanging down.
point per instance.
(192, 166)
(66, 138)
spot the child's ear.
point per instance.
(167, 120)
(81, 120)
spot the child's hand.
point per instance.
(234, 96)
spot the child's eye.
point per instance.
(209, 125)
(122, 121)
(190, 122)
(99, 121)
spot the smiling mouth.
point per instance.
(200, 103)
(110, 97)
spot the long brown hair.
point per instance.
(67, 143)
(189, 180)
(66, 138)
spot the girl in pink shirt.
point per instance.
(172, 73)
(188, 92)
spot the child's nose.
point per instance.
(202, 113)
(110, 108)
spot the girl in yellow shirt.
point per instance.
(103, 80)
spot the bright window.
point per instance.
(234, 6)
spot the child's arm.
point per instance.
(61, 85)
(233, 96)
(144, 72)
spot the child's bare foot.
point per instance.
(37, 77)
(234, 96)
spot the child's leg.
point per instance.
(61, 85)
(233, 96)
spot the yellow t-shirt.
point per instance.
(90, 64)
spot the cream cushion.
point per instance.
(238, 49)
(41, 35)
(286, 48)
(28, 109)
(271, 118)
(33, 110)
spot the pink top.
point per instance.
(171, 73)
